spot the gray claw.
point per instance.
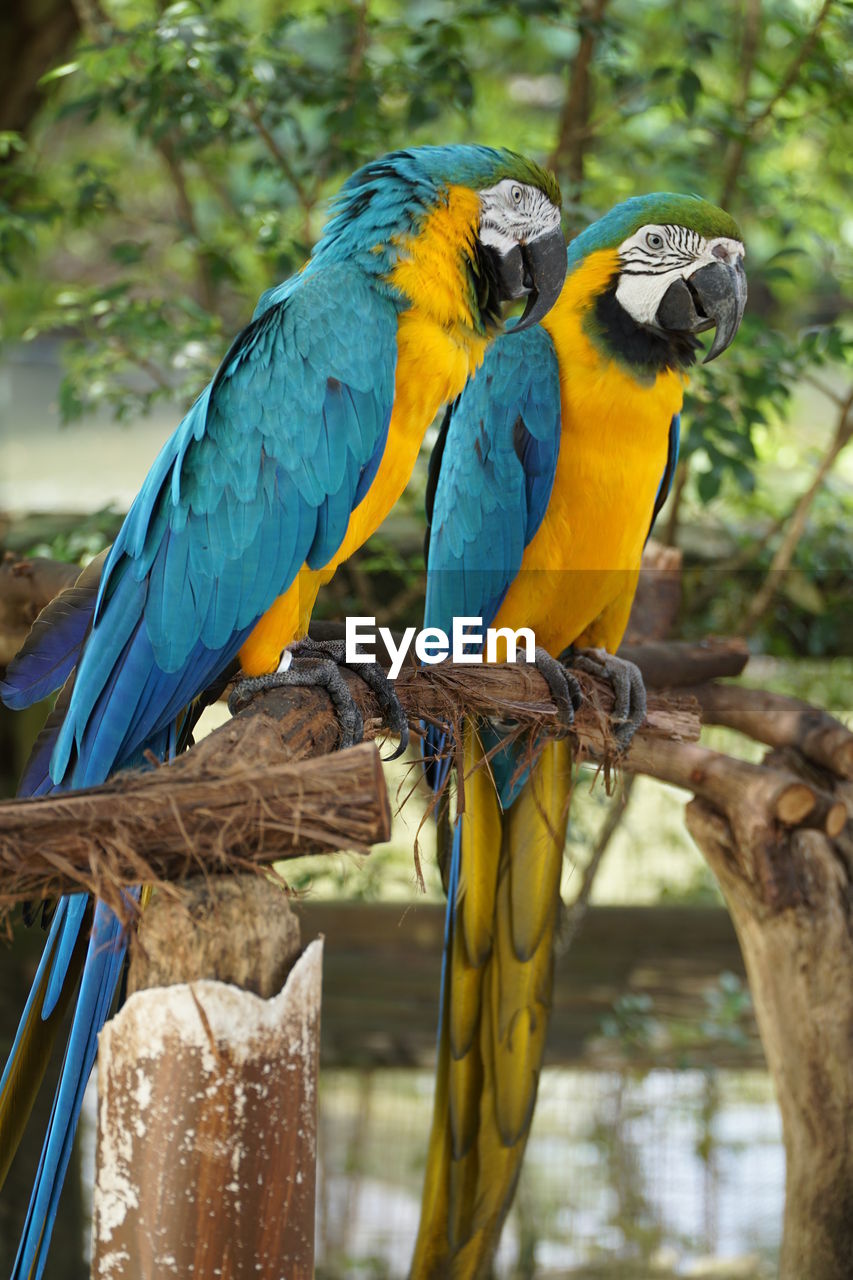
(323, 674)
(629, 690)
(375, 678)
(333, 653)
(565, 689)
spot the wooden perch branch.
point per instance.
(758, 804)
(444, 693)
(779, 722)
(213, 813)
(240, 798)
(672, 664)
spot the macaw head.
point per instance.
(519, 232)
(678, 271)
(494, 213)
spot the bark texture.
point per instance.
(207, 1114)
(790, 895)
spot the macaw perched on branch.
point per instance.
(289, 459)
(545, 482)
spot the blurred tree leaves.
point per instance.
(185, 154)
(194, 145)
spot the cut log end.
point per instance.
(836, 819)
(794, 803)
(844, 759)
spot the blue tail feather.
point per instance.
(97, 989)
(75, 909)
(449, 917)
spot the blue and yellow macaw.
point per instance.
(289, 459)
(546, 481)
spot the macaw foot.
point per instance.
(629, 690)
(327, 658)
(565, 690)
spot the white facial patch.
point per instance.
(513, 213)
(655, 256)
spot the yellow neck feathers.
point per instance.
(433, 274)
(437, 351)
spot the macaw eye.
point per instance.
(516, 194)
(654, 240)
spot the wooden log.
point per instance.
(755, 800)
(207, 1096)
(800, 964)
(671, 664)
(212, 810)
(780, 721)
(217, 807)
(444, 693)
(657, 601)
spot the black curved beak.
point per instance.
(534, 271)
(714, 296)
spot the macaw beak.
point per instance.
(715, 295)
(534, 271)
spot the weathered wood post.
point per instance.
(207, 1094)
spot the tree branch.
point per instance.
(239, 798)
(206, 813)
(781, 561)
(574, 133)
(779, 722)
(753, 127)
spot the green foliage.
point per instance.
(76, 543)
(721, 1021)
(185, 154)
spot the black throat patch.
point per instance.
(485, 288)
(643, 350)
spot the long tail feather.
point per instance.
(31, 1051)
(497, 978)
(104, 959)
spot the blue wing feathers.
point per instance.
(260, 476)
(53, 646)
(67, 921)
(293, 433)
(97, 988)
(669, 470)
(499, 462)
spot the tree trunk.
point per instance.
(798, 952)
(34, 35)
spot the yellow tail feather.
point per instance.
(33, 1055)
(496, 1006)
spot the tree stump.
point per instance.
(207, 1107)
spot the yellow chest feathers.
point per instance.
(613, 452)
(437, 350)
